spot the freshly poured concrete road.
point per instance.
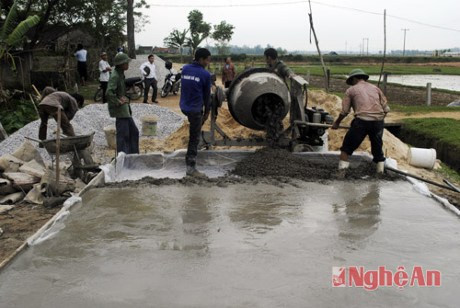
(239, 246)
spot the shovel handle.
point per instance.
(33, 139)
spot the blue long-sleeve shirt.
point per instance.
(195, 88)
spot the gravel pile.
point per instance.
(94, 118)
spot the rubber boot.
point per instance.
(343, 164)
(191, 171)
(380, 167)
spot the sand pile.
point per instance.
(179, 139)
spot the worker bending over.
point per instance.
(370, 108)
(54, 102)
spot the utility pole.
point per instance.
(404, 45)
(367, 46)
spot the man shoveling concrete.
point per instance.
(370, 108)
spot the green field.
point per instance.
(373, 69)
(442, 129)
(340, 71)
(422, 109)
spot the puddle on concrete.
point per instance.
(239, 246)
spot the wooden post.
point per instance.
(58, 147)
(384, 48)
(308, 76)
(328, 76)
(3, 134)
(385, 80)
(310, 15)
(428, 94)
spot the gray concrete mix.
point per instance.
(239, 246)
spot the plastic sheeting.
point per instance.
(213, 163)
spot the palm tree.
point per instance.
(176, 39)
(12, 33)
(194, 41)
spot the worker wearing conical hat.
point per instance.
(120, 109)
(370, 108)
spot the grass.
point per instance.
(16, 114)
(372, 69)
(422, 109)
(442, 129)
(88, 90)
(450, 174)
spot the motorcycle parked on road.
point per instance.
(172, 81)
(134, 89)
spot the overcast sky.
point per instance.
(338, 29)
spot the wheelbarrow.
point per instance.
(82, 162)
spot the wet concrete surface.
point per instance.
(263, 164)
(240, 246)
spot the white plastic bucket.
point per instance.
(149, 125)
(424, 158)
(111, 136)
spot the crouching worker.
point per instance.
(195, 96)
(120, 109)
(54, 102)
(370, 108)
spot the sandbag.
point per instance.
(10, 163)
(5, 208)
(21, 180)
(27, 152)
(49, 181)
(6, 187)
(35, 195)
(33, 168)
(12, 198)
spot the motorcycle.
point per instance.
(134, 89)
(172, 81)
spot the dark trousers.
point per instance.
(227, 84)
(194, 119)
(82, 71)
(150, 82)
(358, 131)
(127, 136)
(45, 112)
(104, 85)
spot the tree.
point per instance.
(199, 30)
(13, 32)
(106, 20)
(130, 27)
(222, 34)
(176, 39)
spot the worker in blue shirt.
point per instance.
(195, 103)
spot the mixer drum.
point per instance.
(255, 95)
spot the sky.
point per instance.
(343, 25)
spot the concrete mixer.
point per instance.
(257, 95)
